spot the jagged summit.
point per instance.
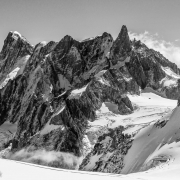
(16, 34)
(121, 46)
(53, 91)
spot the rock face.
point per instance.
(156, 72)
(108, 153)
(51, 90)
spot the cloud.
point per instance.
(168, 49)
(47, 158)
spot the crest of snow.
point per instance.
(88, 39)
(39, 46)
(170, 73)
(16, 35)
(43, 43)
(91, 38)
(76, 94)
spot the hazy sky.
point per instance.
(40, 20)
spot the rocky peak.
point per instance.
(14, 56)
(121, 46)
(16, 40)
(53, 90)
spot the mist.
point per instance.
(47, 158)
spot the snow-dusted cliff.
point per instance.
(90, 99)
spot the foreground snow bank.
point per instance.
(11, 170)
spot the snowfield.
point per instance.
(12, 170)
(154, 153)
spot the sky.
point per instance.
(45, 20)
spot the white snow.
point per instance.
(150, 90)
(170, 79)
(12, 170)
(43, 43)
(50, 127)
(155, 149)
(92, 162)
(75, 94)
(17, 33)
(88, 39)
(101, 79)
(151, 99)
(151, 108)
(16, 70)
(169, 72)
(148, 142)
(166, 82)
(154, 146)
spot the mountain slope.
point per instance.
(53, 92)
(132, 138)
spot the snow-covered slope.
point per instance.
(154, 129)
(96, 96)
(12, 170)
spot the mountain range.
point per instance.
(109, 105)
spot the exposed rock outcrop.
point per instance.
(53, 89)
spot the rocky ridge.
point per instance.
(52, 90)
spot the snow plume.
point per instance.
(47, 158)
(168, 49)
